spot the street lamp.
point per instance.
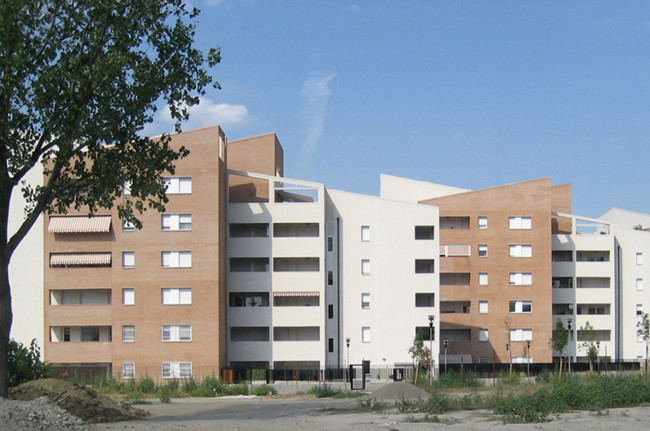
(431, 316)
(598, 347)
(445, 342)
(569, 322)
(528, 358)
(347, 344)
(509, 357)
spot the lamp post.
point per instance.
(509, 358)
(445, 342)
(528, 358)
(569, 322)
(431, 316)
(347, 344)
(598, 347)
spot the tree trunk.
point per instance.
(561, 365)
(6, 318)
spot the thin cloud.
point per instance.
(207, 113)
(315, 92)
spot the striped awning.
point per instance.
(79, 224)
(80, 259)
(296, 294)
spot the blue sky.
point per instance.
(471, 94)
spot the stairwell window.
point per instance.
(365, 233)
(365, 334)
(639, 258)
(365, 266)
(365, 300)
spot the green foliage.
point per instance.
(508, 379)
(165, 394)
(189, 386)
(524, 408)
(324, 391)
(437, 403)
(264, 390)
(560, 337)
(24, 363)
(544, 376)
(589, 338)
(146, 386)
(456, 379)
(421, 355)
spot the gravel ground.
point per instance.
(40, 414)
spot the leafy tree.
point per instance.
(25, 363)
(588, 336)
(643, 332)
(78, 81)
(421, 355)
(560, 340)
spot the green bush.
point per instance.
(146, 386)
(437, 403)
(524, 408)
(263, 390)
(24, 363)
(456, 379)
(204, 391)
(165, 394)
(324, 391)
(189, 386)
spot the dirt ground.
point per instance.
(266, 414)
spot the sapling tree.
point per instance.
(560, 341)
(589, 338)
(643, 333)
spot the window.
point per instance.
(365, 266)
(483, 307)
(521, 250)
(176, 259)
(483, 278)
(482, 334)
(90, 333)
(424, 232)
(66, 333)
(128, 333)
(128, 370)
(174, 222)
(128, 296)
(365, 334)
(521, 335)
(365, 300)
(330, 311)
(249, 264)
(365, 233)
(127, 226)
(639, 258)
(128, 259)
(177, 333)
(520, 223)
(330, 278)
(521, 306)
(176, 370)
(521, 279)
(178, 185)
(249, 230)
(330, 243)
(639, 284)
(176, 296)
(249, 333)
(482, 223)
(425, 266)
(425, 300)
(330, 345)
(126, 187)
(639, 309)
(482, 250)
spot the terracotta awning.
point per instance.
(79, 224)
(80, 259)
(296, 294)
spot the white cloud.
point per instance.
(208, 113)
(315, 92)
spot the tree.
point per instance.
(421, 355)
(78, 81)
(560, 340)
(588, 336)
(643, 333)
(25, 363)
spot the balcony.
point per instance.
(455, 250)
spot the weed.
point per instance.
(324, 391)
(263, 390)
(370, 404)
(146, 386)
(164, 394)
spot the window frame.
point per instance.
(520, 222)
(365, 233)
(178, 292)
(180, 256)
(128, 366)
(175, 333)
(128, 259)
(482, 222)
(131, 295)
(128, 333)
(482, 248)
(365, 266)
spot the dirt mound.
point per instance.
(80, 401)
(399, 391)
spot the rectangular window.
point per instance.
(249, 264)
(639, 284)
(521, 335)
(521, 250)
(521, 279)
(425, 300)
(425, 266)
(365, 266)
(128, 370)
(483, 307)
(521, 306)
(482, 223)
(176, 222)
(483, 335)
(424, 232)
(330, 243)
(482, 250)
(249, 230)
(177, 333)
(176, 370)
(178, 185)
(639, 309)
(126, 187)
(330, 278)
(128, 333)
(365, 334)
(128, 296)
(365, 233)
(639, 258)
(330, 311)
(128, 259)
(520, 223)
(330, 345)
(176, 296)
(90, 333)
(482, 278)
(127, 226)
(365, 300)
(176, 259)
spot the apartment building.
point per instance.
(148, 302)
